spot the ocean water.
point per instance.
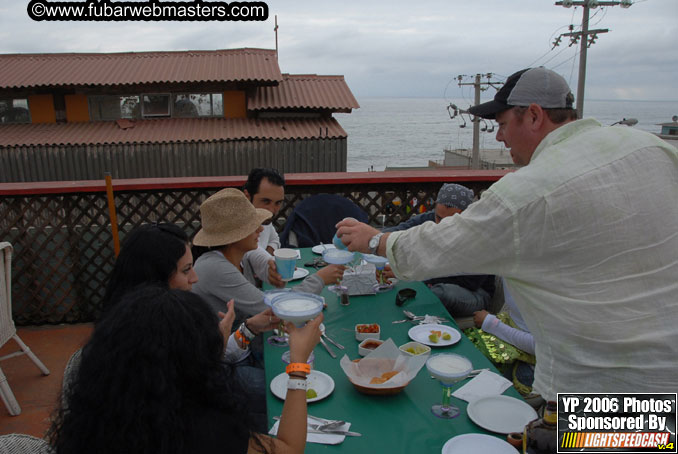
(408, 132)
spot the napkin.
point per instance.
(484, 384)
(325, 439)
(430, 319)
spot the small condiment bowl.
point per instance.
(368, 346)
(419, 348)
(362, 336)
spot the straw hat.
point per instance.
(227, 217)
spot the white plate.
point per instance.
(320, 381)
(463, 444)
(318, 249)
(299, 273)
(501, 414)
(420, 334)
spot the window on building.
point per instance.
(198, 105)
(114, 107)
(156, 105)
(14, 111)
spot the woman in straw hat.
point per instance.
(230, 228)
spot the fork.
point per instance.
(327, 425)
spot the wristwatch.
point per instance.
(373, 245)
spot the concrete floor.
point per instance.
(37, 394)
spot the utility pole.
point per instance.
(478, 86)
(586, 41)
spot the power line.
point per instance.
(586, 38)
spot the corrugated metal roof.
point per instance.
(307, 91)
(168, 130)
(229, 65)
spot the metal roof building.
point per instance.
(165, 114)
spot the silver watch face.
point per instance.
(374, 242)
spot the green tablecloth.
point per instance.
(401, 423)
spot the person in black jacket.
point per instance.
(462, 295)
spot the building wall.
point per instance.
(89, 162)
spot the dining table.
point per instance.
(399, 423)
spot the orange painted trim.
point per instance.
(42, 109)
(77, 108)
(235, 104)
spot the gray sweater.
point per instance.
(219, 281)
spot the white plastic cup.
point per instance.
(285, 262)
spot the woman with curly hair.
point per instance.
(152, 380)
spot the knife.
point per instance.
(335, 432)
(327, 347)
(332, 341)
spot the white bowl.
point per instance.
(363, 336)
(424, 349)
(297, 307)
(364, 351)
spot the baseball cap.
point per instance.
(540, 86)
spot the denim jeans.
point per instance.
(253, 382)
(459, 301)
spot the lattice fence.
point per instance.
(63, 248)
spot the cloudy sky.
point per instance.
(398, 48)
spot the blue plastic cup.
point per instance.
(285, 262)
(337, 241)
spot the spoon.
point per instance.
(332, 341)
(411, 315)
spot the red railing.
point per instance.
(62, 237)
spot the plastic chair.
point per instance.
(313, 220)
(23, 444)
(8, 330)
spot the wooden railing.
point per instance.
(61, 231)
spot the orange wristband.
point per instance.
(298, 367)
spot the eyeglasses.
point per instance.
(405, 294)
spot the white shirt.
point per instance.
(586, 237)
(269, 237)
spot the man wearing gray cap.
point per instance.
(452, 199)
(462, 295)
(584, 235)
